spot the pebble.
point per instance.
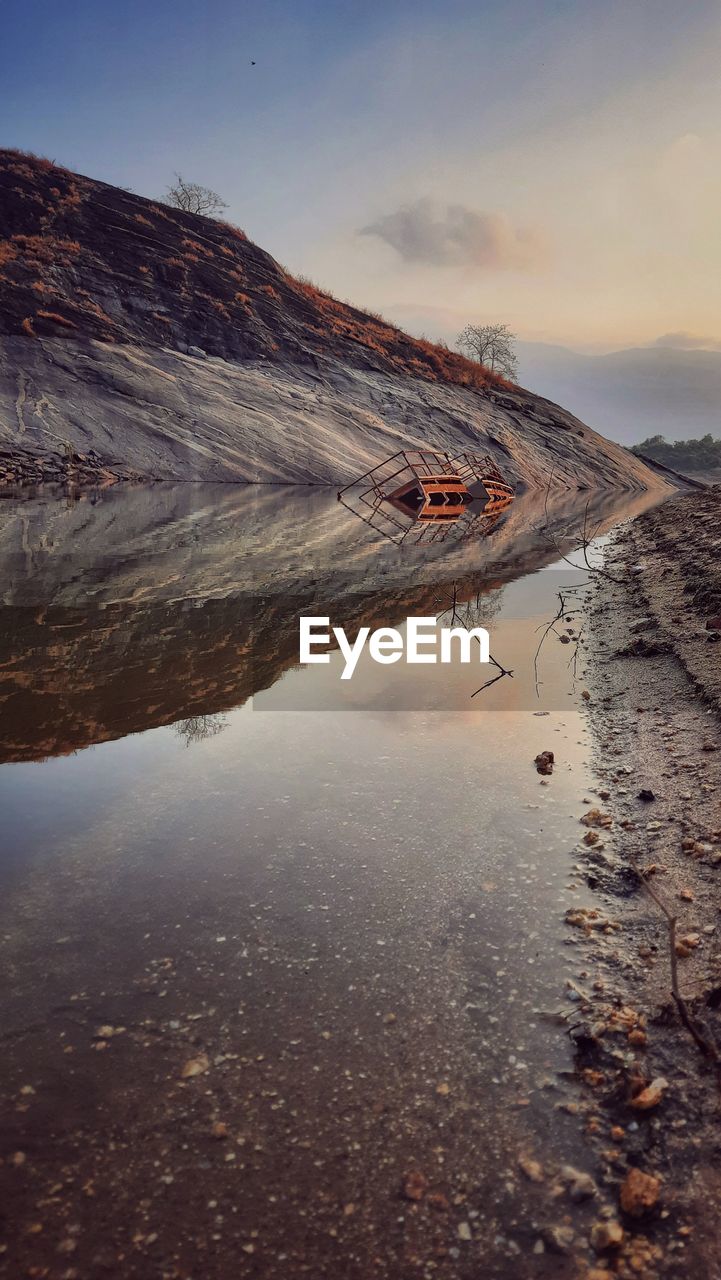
(639, 1192)
(650, 1096)
(195, 1066)
(606, 1235)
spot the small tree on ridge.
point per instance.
(492, 346)
(193, 198)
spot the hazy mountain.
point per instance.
(630, 395)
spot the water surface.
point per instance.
(346, 907)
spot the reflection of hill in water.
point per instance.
(156, 605)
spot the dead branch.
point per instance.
(502, 671)
(699, 1034)
(586, 541)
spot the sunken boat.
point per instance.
(426, 496)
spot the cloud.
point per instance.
(684, 341)
(459, 237)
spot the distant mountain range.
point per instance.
(632, 394)
(671, 389)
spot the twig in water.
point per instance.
(502, 671)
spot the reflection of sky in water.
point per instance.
(311, 870)
(516, 618)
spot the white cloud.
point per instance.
(459, 237)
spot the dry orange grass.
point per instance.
(55, 318)
(8, 252)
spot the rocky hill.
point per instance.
(140, 341)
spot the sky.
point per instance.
(555, 166)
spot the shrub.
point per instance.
(71, 199)
(195, 247)
(235, 232)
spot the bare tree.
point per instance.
(491, 345)
(193, 198)
(199, 728)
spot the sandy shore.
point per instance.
(651, 1084)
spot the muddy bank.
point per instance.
(651, 1083)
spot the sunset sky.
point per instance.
(556, 166)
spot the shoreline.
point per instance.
(650, 1093)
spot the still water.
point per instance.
(286, 979)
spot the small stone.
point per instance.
(414, 1185)
(195, 1066)
(531, 1168)
(581, 1185)
(596, 818)
(646, 795)
(544, 762)
(606, 1235)
(220, 1129)
(557, 1239)
(464, 1231)
(639, 1192)
(443, 1089)
(650, 1096)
